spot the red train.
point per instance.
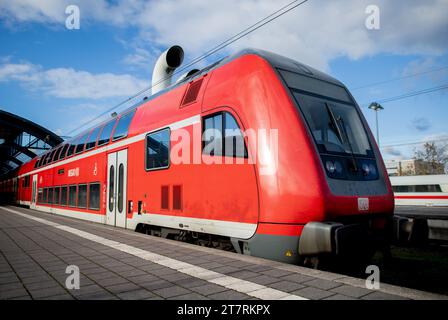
(320, 187)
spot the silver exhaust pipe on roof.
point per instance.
(165, 67)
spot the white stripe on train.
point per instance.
(232, 229)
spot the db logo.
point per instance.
(363, 204)
(73, 172)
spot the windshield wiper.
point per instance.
(341, 121)
(334, 123)
(341, 134)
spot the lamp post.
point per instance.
(375, 106)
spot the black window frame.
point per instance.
(78, 196)
(223, 114)
(58, 189)
(64, 204)
(56, 154)
(40, 195)
(169, 150)
(89, 140)
(114, 122)
(131, 114)
(64, 151)
(50, 200)
(75, 197)
(71, 149)
(99, 196)
(45, 196)
(82, 143)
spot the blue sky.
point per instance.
(61, 78)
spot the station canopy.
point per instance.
(21, 140)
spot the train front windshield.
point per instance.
(330, 115)
(336, 126)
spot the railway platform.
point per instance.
(36, 249)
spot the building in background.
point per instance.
(413, 167)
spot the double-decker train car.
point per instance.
(257, 153)
(423, 190)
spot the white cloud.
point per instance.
(140, 58)
(314, 33)
(70, 83)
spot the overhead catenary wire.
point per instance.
(414, 143)
(410, 94)
(373, 84)
(271, 17)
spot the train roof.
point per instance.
(275, 60)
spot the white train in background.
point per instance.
(429, 190)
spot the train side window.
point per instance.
(120, 188)
(82, 196)
(94, 196)
(91, 141)
(81, 143)
(222, 136)
(50, 196)
(57, 193)
(158, 149)
(234, 145)
(122, 128)
(44, 198)
(111, 187)
(64, 151)
(72, 196)
(212, 135)
(64, 196)
(106, 132)
(40, 195)
(418, 188)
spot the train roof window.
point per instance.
(81, 143)
(38, 162)
(121, 130)
(71, 149)
(91, 141)
(64, 151)
(106, 132)
(57, 153)
(50, 157)
(43, 159)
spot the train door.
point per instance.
(116, 188)
(34, 192)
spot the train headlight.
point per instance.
(366, 169)
(338, 167)
(330, 166)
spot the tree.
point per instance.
(434, 155)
